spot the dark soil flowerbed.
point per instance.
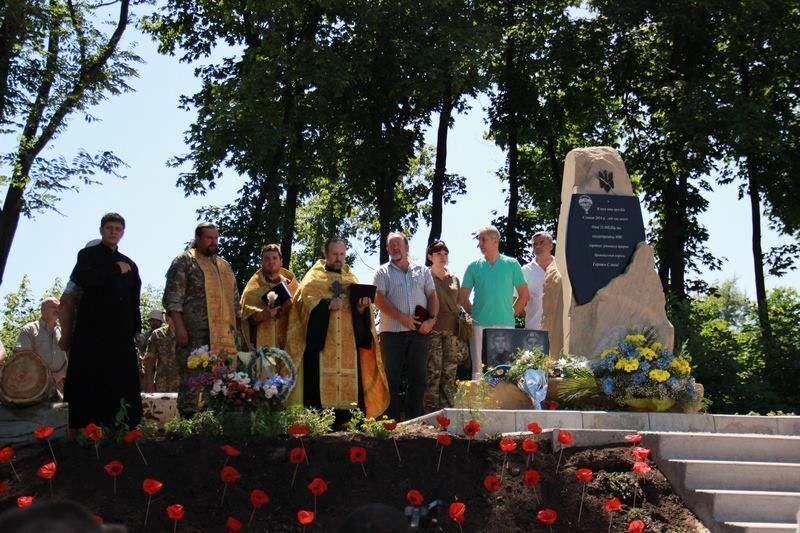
(190, 470)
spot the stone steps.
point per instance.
(735, 483)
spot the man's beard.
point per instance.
(208, 252)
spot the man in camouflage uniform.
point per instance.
(445, 353)
(186, 303)
(161, 368)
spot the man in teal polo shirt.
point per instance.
(494, 278)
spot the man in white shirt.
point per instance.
(534, 273)
(42, 336)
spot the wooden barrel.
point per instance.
(25, 380)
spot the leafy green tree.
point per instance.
(54, 62)
(664, 65)
(149, 299)
(760, 49)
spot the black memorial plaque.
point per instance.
(602, 234)
(500, 343)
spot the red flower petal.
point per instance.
(584, 474)
(414, 497)
(547, 516)
(230, 451)
(133, 435)
(357, 454)
(507, 445)
(457, 510)
(113, 468)
(297, 430)
(258, 498)
(633, 438)
(491, 483)
(233, 525)
(390, 426)
(305, 517)
(3, 487)
(43, 432)
(443, 420)
(93, 432)
(534, 428)
(472, 428)
(47, 471)
(640, 453)
(175, 511)
(637, 526)
(24, 501)
(6, 454)
(318, 486)
(444, 439)
(641, 468)
(229, 474)
(612, 505)
(297, 455)
(151, 486)
(564, 437)
(532, 478)
(530, 445)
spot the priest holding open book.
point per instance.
(266, 301)
(332, 339)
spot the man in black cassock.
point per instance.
(103, 365)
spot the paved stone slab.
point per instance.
(788, 425)
(615, 420)
(549, 419)
(699, 423)
(17, 423)
(592, 437)
(764, 425)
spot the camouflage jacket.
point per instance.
(185, 292)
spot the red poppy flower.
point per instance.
(175, 511)
(233, 525)
(612, 505)
(297, 430)
(472, 428)
(3, 487)
(230, 451)
(457, 510)
(305, 517)
(318, 486)
(6, 454)
(229, 474)
(584, 474)
(24, 501)
(151, 486)
(637, 526)
(390, 426)
(635, 439)
(297, 455)
(99, 519)
(47, 471)
(641, 467)
(530, 445)
(532, 478)
(93, 432)
(547, 516)
(414, 497)
(444, 439)
(507, 445)
(443, 420)
(640, 453)
(357, 454)
(258, 498)
(133, 435)
(43, 432)
(491, 483)
(551, 405)
(564, 437)
(534, 428)
(113, 468)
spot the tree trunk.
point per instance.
(437, 187)
(512, 98)
(12, 31)
(758, 255)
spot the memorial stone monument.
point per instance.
(609, 282)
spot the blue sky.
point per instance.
(145, 128)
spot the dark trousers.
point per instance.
(405, 353)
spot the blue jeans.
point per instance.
(405, 352)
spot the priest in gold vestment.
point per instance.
(333, 340)
(264, 323)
